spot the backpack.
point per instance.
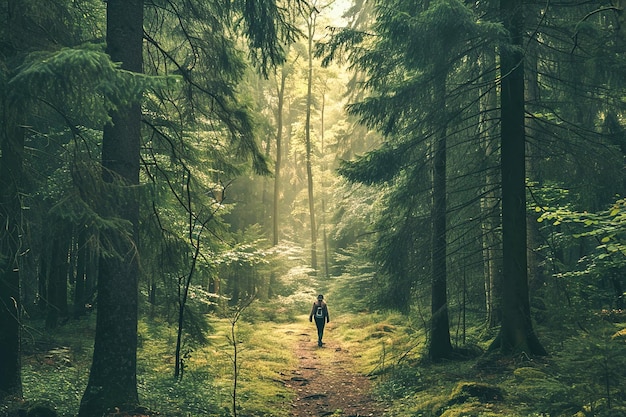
(319, 312)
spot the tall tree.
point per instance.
(280, 92)
(113, 375)
(41, 74)
(56, 300)
(12, 134)
(206, 56)
(310, 14)
(440, 346)
(411, 104)
(516, 333)
(490, 197)
(11, 158)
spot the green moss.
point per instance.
(484, 393)
(529, 373)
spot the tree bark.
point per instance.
(12, 136)
(309, 170)
(516, 333)
(440, 346)
(279, 157)
(56, 306)
(81, 272)
(113, 380)
(490, 201)
(12, 148)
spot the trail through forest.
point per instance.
(326, 384)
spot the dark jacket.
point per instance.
(324, 307)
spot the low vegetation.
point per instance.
(581, 377)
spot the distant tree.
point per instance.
(574, 85)
(310, 15)
(28, 39)
(280, 108)
(200, 138)
(82, 292)
(490, 193)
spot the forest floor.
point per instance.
(326, 383)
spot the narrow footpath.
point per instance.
(326, 384)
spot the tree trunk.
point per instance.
(42, 277)
(536, 278)
(56, 306)
(279, 156)
(516, 333)
(12, 147)
(307, 127)
(81, 272)
(490, 201)
(12, 135)
(91, 275)
(113, 380)
(440, 346)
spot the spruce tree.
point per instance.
(415, 52)
(113, 375)
(516, 333)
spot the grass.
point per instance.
(391, 349)
(264, 356)
(55, 369)
(387, 346)
(55, 366)
(379, 341)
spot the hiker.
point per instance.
(320, 312)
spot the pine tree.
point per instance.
(516, 333)
(39, 71)
(417, 51)
(113, 377)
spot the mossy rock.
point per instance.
(529, 373)
(484, 393)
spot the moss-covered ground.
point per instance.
(583, 376)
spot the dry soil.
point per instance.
(326, 383)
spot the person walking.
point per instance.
(320, 312)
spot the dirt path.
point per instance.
(326, 385)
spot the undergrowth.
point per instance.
(582, 377)
(579, 379)
(56, 369)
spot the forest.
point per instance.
(180, 179)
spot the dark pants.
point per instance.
(320, 323)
